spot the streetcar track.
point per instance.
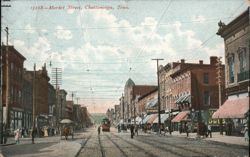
(175, 146)
(82, 146)
(123, 153)
(101, 146)
(140, 148)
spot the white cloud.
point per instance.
(29, 29)
(62, 33)
(38, 53)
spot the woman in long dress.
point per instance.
(246, 135)
(17, 136)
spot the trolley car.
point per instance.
(106, 124)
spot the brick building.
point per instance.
(12, 87)
(61, 105)
(69, 110)
(41, 90)
(236, 35)
(143, 101)
(27, 96)
(131, 92)
(191, 89)
(52, 105)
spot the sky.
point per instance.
(100, 44)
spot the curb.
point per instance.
(7, 144)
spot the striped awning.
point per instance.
(233, 108)
(164, 117)
(184, 99)
(180, 116)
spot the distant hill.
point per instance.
(97, 117)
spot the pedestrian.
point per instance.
(5, 134)
(136, 130)
(33, 135)
(17, 135)
(118, 127)
(99, 130)
(22, 132)
(246, 133)
(186, 128)
(132, 131)
(166, 130)
(209, 130)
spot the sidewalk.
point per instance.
(46, 146)
(236, 140)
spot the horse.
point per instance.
(66, 132)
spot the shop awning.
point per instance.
(179, 99)
(145, 119)
(187, 99)
(137, 120)
(184, 99)
(233, 108)
(152, 103)
(164, 117)
(152, 118)
(181, 116)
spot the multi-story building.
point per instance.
(41, 90)
(69, 110)
(40, 95)
(117, 113)
(52, 105)
(131, 92)
(12, 85)
(236, 35)
(27, 96)
(122, 109)
(77, 116)
(85, 119)
(147, 103)
(191, 89)
(61, 103)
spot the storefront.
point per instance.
(235, 112)
(16, 119)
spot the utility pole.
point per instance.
(122, 108)
(34, 103)
(7, 78)
(56, 81)
(159, 103)
(219, 70)
(1, 94)
(72, 95)
(77, 98)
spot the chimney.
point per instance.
(213, 60)
(182, 61)
(201, 62)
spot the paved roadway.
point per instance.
(113, 144)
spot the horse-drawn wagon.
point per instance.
(66, 128)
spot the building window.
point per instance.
(19, 96)
(242, 58)
(243, 73)
(206, 98)
(231, 68)
(12, 94)
(205, 78)
(11, 66)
